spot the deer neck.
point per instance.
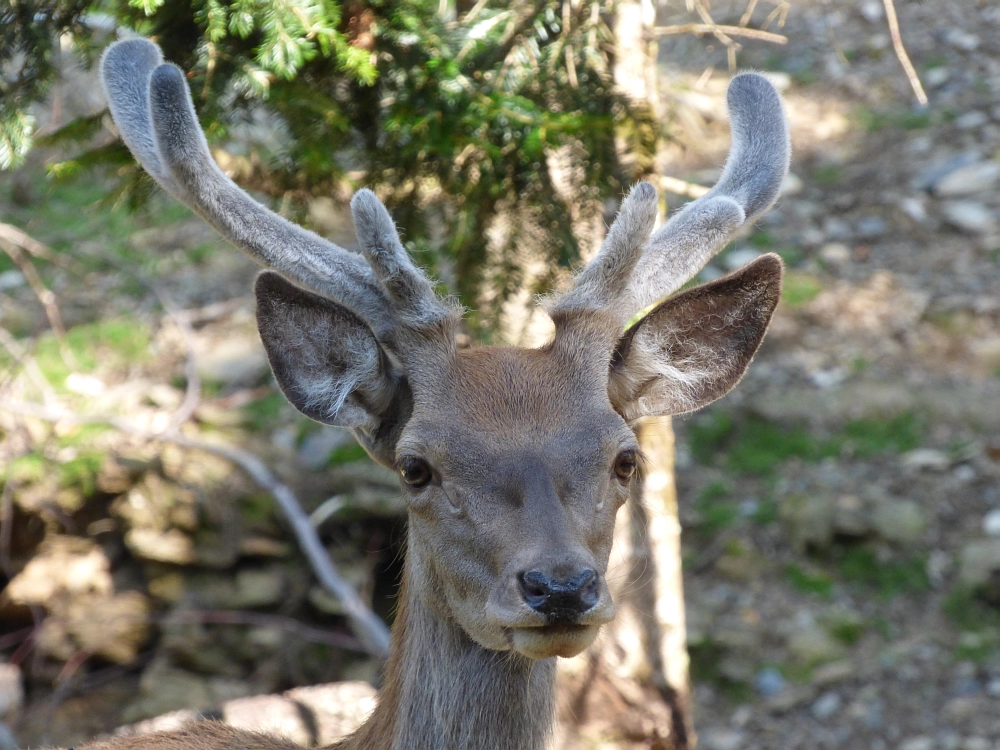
(445, 692)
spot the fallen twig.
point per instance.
(904, 59)
(15, 243)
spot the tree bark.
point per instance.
(631, 689)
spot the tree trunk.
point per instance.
(631, 688)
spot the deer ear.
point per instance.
(329, 365)
(694, 347)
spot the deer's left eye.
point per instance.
(626, 465)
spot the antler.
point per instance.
(629, 274)
(151, 105)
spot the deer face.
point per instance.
(513, 462)
(513, 475)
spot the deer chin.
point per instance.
(552, 640)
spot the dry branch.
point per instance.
(704, 28)
(904, 58)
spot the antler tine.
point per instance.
(601, 284)
(125, 71)
(409, 290)
(151, 105)
(749, 186)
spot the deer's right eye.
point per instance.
(416, 472)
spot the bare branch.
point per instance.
(904, 59)
(704, 28)
(15, 242)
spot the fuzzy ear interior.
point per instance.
(329, 365)
(694, 347)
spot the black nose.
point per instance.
(561, 601)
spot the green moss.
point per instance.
(812, 582)
(799, 288)
(868, 437)
(767, 511)
(828, 175)
(716, 508)
(761, 240)
(860, 565)
(106, 343)
(81, 473)
(347, 454)
(264, 412)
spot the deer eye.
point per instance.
(625, 465)
(416, 472)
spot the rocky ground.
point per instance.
(841, 509)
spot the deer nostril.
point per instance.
(560, 600)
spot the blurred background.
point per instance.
(840, 509)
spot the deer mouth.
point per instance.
(546, 641)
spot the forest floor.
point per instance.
(841, 508)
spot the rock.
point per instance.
(979, 562)
(835, 253)
(971, 120)
(739, 257)
(710, 273)
(937, 77)
(810, 518)
(272, 714)
(812, 645)
(791, 185)
(721, 739)
(769, 682)
(900, 521)
(837, 229)
(913, 206)
(930, 176)
(63, 566)
(113, 628)
(259, 587)
(850, 518)
(826, 706)
(968, 180)
(970, 217)
(164, 688)
(991, 522)
(789, 699)
(238, 361)
(976, 743)
(338, 708)
(871, 227)
(921, 742)
(926, 459)
(872, 11)
(170, 546)
(961, 40)
(834, 672)
(11, 689)
(993, 688)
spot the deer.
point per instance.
(512, 462)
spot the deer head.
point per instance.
(513, 462)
